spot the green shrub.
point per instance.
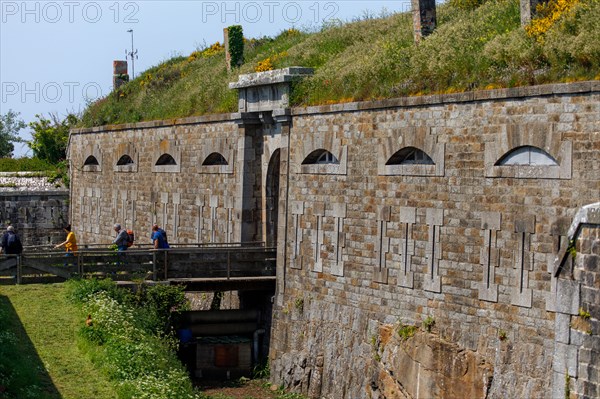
(80, 290)
(142, 363)
(406, 331)
(236, 45)
(466, 4)
(572, 43)
(428, 323)
(158, 303)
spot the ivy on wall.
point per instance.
(236, 45)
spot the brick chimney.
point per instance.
(120, 76)
(424, 18)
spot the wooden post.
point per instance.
(80, 264)
(19, 269)
(228, 264)
(166, 264)
(154, 270)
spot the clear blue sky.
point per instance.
(56, 55)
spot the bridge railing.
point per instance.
(208, 262)
(137, 245)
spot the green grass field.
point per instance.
(42, 356)
(39, 357)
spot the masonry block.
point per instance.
(119, 67)
(568, 294)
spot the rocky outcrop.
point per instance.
(426, 366)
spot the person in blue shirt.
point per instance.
(159, 238)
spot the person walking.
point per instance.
(11, 243)
(159, 238)
(121, 239)
(70, 243)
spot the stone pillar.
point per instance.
(574, 361)
(263, 100)
(247, 200)
(424, 18)
(226, 44)
(283, 118)
(528, 10)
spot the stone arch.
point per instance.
(411, 151)
(519, 139)
(527, 155)
(322, 161)
(410, 156)
(272, 198)
(216, 155)
(166, 160)
(215, 159)
(320, 157)
(168, 157)
(91, 164)
(125, 160)
(91, 161)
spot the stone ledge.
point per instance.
(471, 96)
(192, 120)
(30, 192)
(24, 174)
(271, 77)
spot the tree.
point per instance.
(9, 129)
(51, 136)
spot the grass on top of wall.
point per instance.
(25, 165)
(477, 45)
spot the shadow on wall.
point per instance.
(22, 373)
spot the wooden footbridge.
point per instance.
(198, 267)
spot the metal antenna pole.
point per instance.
(133, 55)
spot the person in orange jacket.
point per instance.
(70, 243)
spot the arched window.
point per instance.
(166, 159)
(125, 160)
(410, 156)
(528, 156)
(91, 161)
(215, 159)
(320, 157)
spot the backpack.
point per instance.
(164, 234)
(130, 238)
(13, 244)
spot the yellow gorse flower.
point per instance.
(547, 14)
(267, 63)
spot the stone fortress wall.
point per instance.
(36, 208)
(193, 203)
(465, 242)
(388, 214)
